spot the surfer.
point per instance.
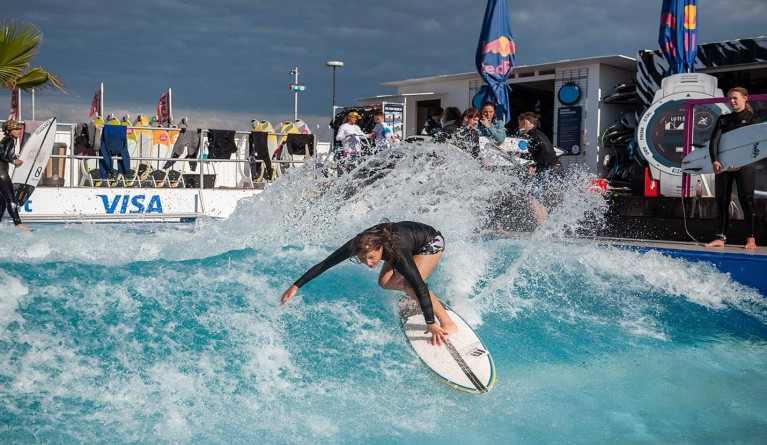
(539, 146)
(745, 176)
(410, 252)
(12, 130)
(545, 161)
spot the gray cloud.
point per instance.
(231, 59)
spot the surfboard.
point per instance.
(285, 129)
(302, 126)
(267, 127)
(35, 155)
(738, 147)
(518, 145)
(462, 363)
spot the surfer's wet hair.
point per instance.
(376, 237)
(528, 116)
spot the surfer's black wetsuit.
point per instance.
(542, 151)
(745, 177)
(410, 238)
(7, 155)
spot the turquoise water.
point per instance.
(173, 334)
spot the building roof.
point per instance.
(618, 61)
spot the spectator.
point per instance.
(433, 124)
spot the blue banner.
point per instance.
(679, 34)
(495, 56)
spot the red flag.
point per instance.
(14, 113)
(96, 104)
(163, 110)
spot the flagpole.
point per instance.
(18, 100)
(170, 108)
(101, 104)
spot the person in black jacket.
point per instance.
(410, 252)
(12, 130)
(745, 177)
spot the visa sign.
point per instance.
(131, 204)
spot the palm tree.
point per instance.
(18, 46)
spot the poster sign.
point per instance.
(569, 122)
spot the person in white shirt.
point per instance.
(350, 135)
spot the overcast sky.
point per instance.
(229, 61)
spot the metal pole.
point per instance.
(33, 104)
(334, 64)
(295, 94)
(334, 88)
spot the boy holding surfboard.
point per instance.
(12, 130)
(745, 177)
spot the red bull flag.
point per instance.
(678, 35)
(163, 109)
(495, 56)
(96, 104)
(15, 111)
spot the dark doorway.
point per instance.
(423, 108)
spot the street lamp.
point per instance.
(335, 64)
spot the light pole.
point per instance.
(335, 64)
(295, 87)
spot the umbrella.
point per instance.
(495, 56)
(678, 34)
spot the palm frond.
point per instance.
(39, 79)
(18, 45)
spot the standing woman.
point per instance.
(410, 252)
(745, 177)
(489, 126)
(12, 130)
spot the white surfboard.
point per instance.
(516, 145)
(35, 155)
(302, 126)
(738, 147)
(464, 363)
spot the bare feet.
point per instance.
(715, 243)
(750, 244)
(23, 226)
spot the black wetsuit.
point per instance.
(7, 156)
(542, 151)
(410, 237)
(745, 177)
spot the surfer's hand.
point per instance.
(18, 162)
(288, 294)
(438, 335)
(717, 166)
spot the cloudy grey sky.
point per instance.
(229, 61)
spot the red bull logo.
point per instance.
(690, 17)
(503, 47)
